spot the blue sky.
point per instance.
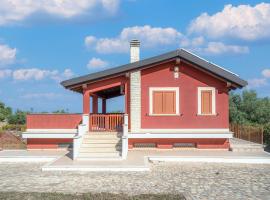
(44, 42)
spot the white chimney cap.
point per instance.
(134, 50)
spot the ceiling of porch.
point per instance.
(110, 92)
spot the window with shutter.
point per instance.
(164, 102)
(206, 101)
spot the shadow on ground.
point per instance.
(86, 196)
(267, 149)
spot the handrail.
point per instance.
(106, 122)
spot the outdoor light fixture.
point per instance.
(176, 72)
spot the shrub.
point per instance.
(14, 127)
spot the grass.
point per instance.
(86, 196)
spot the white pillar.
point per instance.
(125, 137)
(135, 101)
(85, 121)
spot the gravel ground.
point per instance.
(200, 180)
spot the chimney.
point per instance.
(134, 51)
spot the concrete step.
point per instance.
(247, 149)
(98, 154)
(100, 136)
(100, 145)
(246, 145)
(101, 141)
(98, 149)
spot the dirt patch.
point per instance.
(9, 140)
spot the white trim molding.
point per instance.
(177, 100)
(180, 136)
(48, 135)
(188, 130)
(213, 90)
(51, 130)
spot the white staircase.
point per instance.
(100, 145)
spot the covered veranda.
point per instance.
(96, 109)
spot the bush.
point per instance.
(14, 127)
(266, 134)
(4, 112)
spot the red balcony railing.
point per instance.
(106, 122)
(53, 121)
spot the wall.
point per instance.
(53, 121)
(168, 143)
(46, 143)
(188, 82)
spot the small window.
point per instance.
(164, 101)
(206, 101)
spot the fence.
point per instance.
(246, 132)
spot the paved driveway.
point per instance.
(201, 180)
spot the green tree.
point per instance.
(5, 112)
(60, 111)
(248, 108)
(19, 117)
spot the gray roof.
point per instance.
(179, 53)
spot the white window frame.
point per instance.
(213, 90)
(151, 91)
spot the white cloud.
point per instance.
(17, 10)
(67, 73)
(89, 41)
(49, 95)
(150, 37)
(243, 22)
(199, 45)
(215, 48)
(97, 63)
(257, 82)
(40, 74)
(7, 55)
(33, 73)
(5, 73)
(266, 73)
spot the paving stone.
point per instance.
(200, 180)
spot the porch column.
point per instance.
(103, 105)
(86, 109)
(86, 102)
(126, 98)
(95, 103)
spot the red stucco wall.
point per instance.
(46, 143)
(188, 82)
(53, 121)
(168, 143)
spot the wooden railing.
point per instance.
(106, 122)
(249, 133)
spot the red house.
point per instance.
(171, 100)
